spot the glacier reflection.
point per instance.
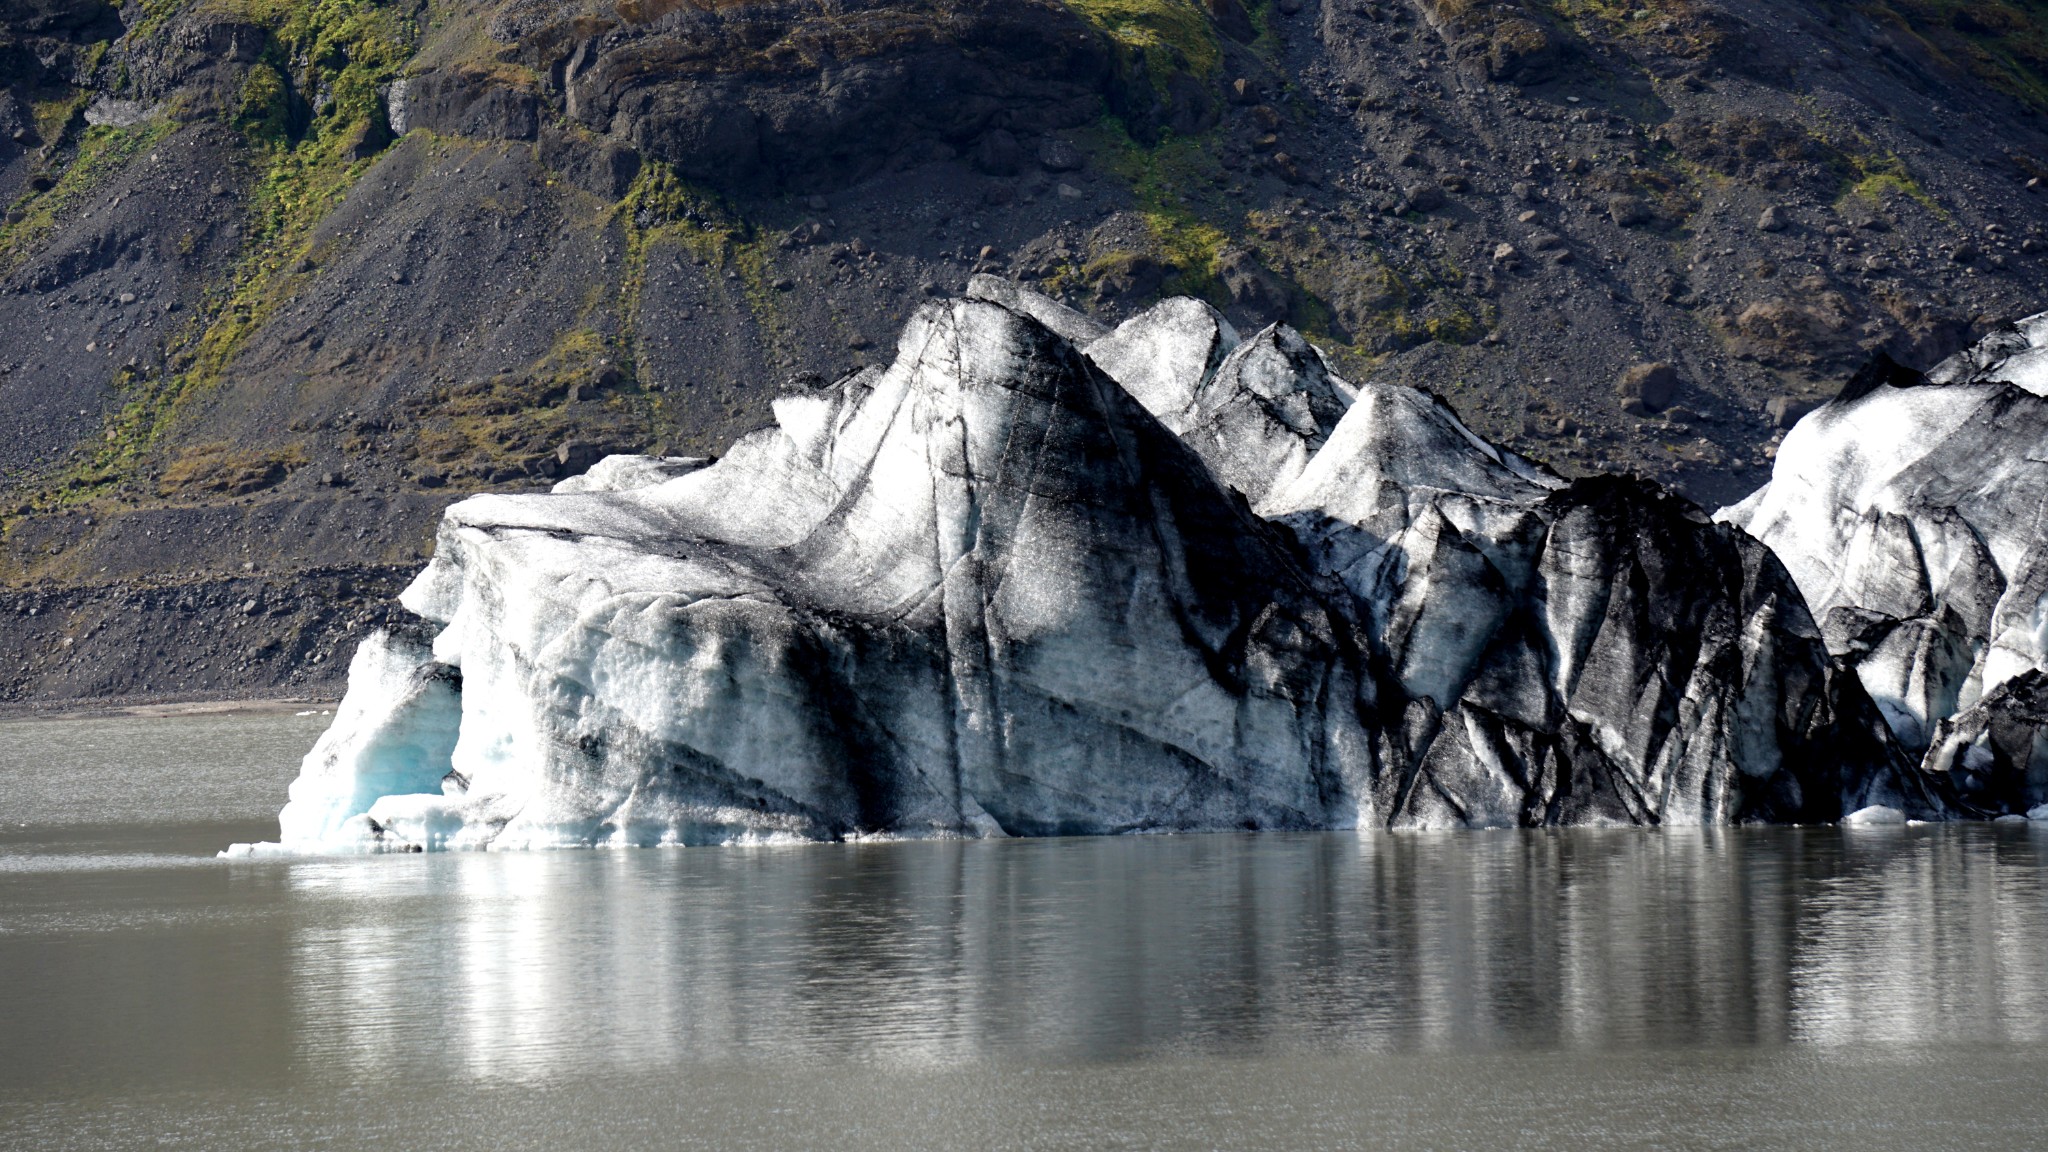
(533, 965)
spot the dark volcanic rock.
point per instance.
(95, 304)
(219, 638)
(464, 105)
(1652, 387)
(736, 94)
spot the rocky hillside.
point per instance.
(281, 278)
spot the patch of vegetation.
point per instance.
(1170, 35)
(1451, 325)
(514, 422)
(342, 48)
(1878, 187)
(101, 152)
(1332, 296)
(54, 115)
(1738, 145)
(222, 469)
(1884, 177)
(1266, 38)
(2001, 42)
(1163, 178)
(662, 205)
(1682, 28)
(265, 111)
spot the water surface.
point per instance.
(1758, 988)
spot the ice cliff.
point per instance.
(1913, 513)
(1041, 577)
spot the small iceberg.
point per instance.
(1040, 577)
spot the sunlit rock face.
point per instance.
(1913, 513)
(1039, 578)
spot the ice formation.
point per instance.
(1041, 577)
(1913, 513)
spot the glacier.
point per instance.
(1042, 577)
(1912, 511)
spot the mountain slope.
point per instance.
(282, 277)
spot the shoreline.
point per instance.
(160, 707)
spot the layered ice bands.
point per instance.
(1043, 578)
(1913, 512)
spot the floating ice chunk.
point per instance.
(989, 591)
(1876, 814)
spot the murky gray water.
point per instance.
(1771, 988)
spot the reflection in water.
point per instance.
(1881, 990)
(1925, 939)
(532, 966)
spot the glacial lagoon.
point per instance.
(1811, 988)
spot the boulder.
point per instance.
(465, 104)
(1785, 411)
(1059, 156)
(733, 95)
(1629, 211)
(1424, 197)
(1653, 386)
(1251, 286)
(999, 153)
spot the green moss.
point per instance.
(474, 429)
(265, 111)
(351, 47)
(1172, 35)
(1165, 179)
(2002, 42)
(1617, 17)
(1886, 177)
(346, 46)
(662, 208)
(101, 152)
(1266, 43)
(1454, 326)
(223, 469)
(1684, 28)
(663, 205)
(54, 115)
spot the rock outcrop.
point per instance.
(1167, 579)
(1913, 513)
(799, 94)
